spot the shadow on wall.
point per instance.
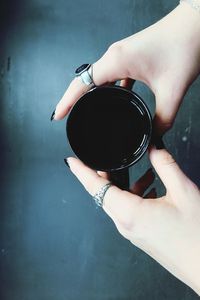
(10, 12)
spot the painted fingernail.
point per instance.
(52, 116)
(66, 162)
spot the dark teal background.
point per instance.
(54, 243)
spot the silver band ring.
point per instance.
(85, 72)
(99, 196)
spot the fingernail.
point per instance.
(52, 116)
(66, 162)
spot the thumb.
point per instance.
(168, 101)
(109, 68)
(168, 170)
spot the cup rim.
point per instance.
(144, 144)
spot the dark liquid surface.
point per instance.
(105, 129)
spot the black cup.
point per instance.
(109, 128)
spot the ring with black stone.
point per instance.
(85, 72)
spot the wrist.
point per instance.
(188, 13)
(186, 16)
(195, 4)
(183, 26)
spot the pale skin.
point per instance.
(166, 57)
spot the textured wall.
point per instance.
(54, 243)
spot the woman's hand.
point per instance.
(165, 56)
(166, 228)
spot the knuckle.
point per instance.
(128, 217)
(167, 125)
(115, 46)
(121, 230)
(115, 50)
(93, 186)
(116, 56)
(126, 222)
(162, 121)
(164, 126)
(96, 185)
(168, 158)
(164, 117)
(192, 187)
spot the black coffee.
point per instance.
(109, 128)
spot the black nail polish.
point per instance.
(66, 162)
(52, 116)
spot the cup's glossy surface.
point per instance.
(109, 128)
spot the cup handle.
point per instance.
(120, 178)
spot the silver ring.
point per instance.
(85, 71)
(99, 196)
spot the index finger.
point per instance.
(109, 68)
(75, 90)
